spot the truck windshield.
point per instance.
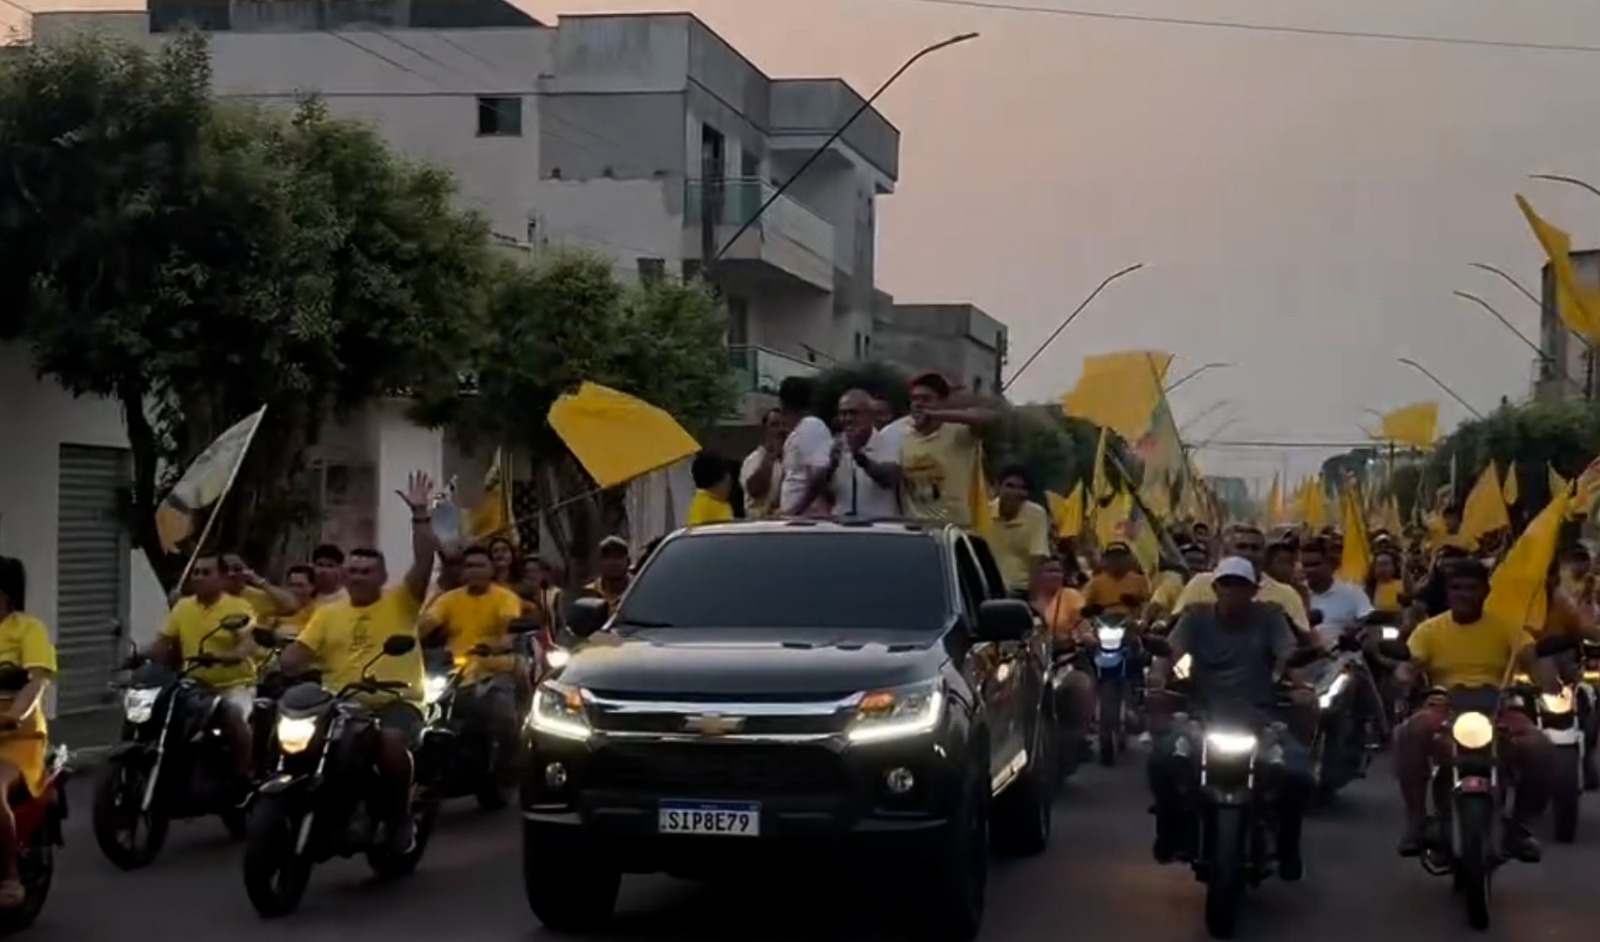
(791, 580)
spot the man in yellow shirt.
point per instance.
(24, 643)
(267, 600)
(939, 453)
(713, 482)
(194, 630)
(478, 616)
(614, 575)
(1468, 648)
(1119, 588)
(1251, 543)
(345, 639)
(1021, 536)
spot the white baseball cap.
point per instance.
(1235, 567)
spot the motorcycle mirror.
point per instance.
(234, 622)
(264, 636)
(396, 645)
(587, 616)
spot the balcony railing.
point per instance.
(743, 197)
(761, 370)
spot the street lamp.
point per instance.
(1067, 322)
(1440, 383)
(1208, 410)
(838, 132)
(1193, 373)
(1571, 181)
(1482, 266)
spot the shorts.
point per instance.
(401, 717)
(27, 753)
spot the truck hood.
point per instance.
(767, 663)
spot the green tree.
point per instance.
(1564, 435)
(549, 327)
(194, 259)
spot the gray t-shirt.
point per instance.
(1232, 665)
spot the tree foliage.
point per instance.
(1563, 435)
(193, 259)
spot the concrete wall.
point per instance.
(959, 340)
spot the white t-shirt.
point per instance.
(807, 449)
(747, 471)
(891, 435)
(856, 494)
(1343, 606)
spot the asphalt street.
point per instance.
(1096, 881)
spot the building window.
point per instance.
(499, 116)
(738, 321)
(652, 270)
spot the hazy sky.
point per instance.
(1304, 205)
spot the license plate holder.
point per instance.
(709, 818)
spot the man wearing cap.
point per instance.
(612, 579)
(1250, 544)
(1239, 652)
(1118, 588)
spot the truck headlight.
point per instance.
(897, 713)
(434, 688)
(295, 733)
(558, 710)
(1472, 731)
(1230, 744)
(139, 703)
(1334, 689)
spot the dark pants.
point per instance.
(493, 703)
(1174, 776)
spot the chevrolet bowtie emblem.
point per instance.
(713, 724)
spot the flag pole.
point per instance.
(216, 505)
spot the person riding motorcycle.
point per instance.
(1250, 544)
(191, 633)
(480, 612)
(1468, 647)
(25, 643)
(1239, 650)
(1119, 588)
(345, 639)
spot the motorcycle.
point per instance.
(1465, 825)
(1339, 753)
(316, 806)
(461, 748)
(1070, 734)
(1117, 673)
(1562, 719)
(39, 821)
(173, 760)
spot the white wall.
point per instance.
(36, 419)
(623, 219)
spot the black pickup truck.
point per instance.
(773, 693)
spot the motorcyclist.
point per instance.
(1251, 544)
(25, 643)
(1467, 647)
(479, 613)
(190, 633)
(1119, 588)
(1239, 649)
(346, 636)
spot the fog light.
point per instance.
(555, 776)
(900, 781)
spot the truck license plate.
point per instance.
(712, 818)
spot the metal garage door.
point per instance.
(91, 574)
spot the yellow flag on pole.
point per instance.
(1485, 510)
(1577, 303)
(1517, 586)
(1119, 391)
(1416, 425)
(1508, 488)
(206, 481)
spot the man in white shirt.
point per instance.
(807, 453)
(864, 477)
(1343, 606)
(762, 472)
(890, 428)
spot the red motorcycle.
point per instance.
(39, 833)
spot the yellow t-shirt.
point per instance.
(708, 508)
(1063, 613)
(345, 638)
(598, 589)
(260, 602)
(471, 619)
(1020, 542)
(25, 642)
(1199, 592)
(1386, 595)
(1169, 585)
(1475, 655)
(937, 469)
(190, 621)
(1106, 591)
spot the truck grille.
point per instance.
(692, 770)
(757, 725)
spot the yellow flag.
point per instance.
(1416, 425)
(1557, 482)
(206, 481)
(1577, 303)
(492, 517)
(1587, 490)
(1067, 512)
(1391, 516)
(1356, 561)
(1485, 510)
(1517, 586)
(1508, 487)
(978, 505)
(1100, 484)
(1315, 514)
(1110, 518)
(1274, 514)
(1120, 391)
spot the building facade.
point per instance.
(960, 341)
(1565, 369)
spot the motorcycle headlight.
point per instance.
(557, 658)
(1472, 731)
(1112, 637)
(138, 703)
(434, 688)
(1230, 744)
(1334, 689)
(1557, 704)
(1180, 670)
(558, 710)
(1391, 633)
(912, 710)
(295, 733)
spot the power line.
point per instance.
(1287, 444)
(1254, 27)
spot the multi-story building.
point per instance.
(960, 341)
(1565, 369)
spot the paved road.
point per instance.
(1096, 881)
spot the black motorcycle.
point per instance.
(174, 760)
(316, 807)
(1118, 671)
(462, 750)
(1339, 753)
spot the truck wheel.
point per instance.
(569, 891)
(950, 895)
